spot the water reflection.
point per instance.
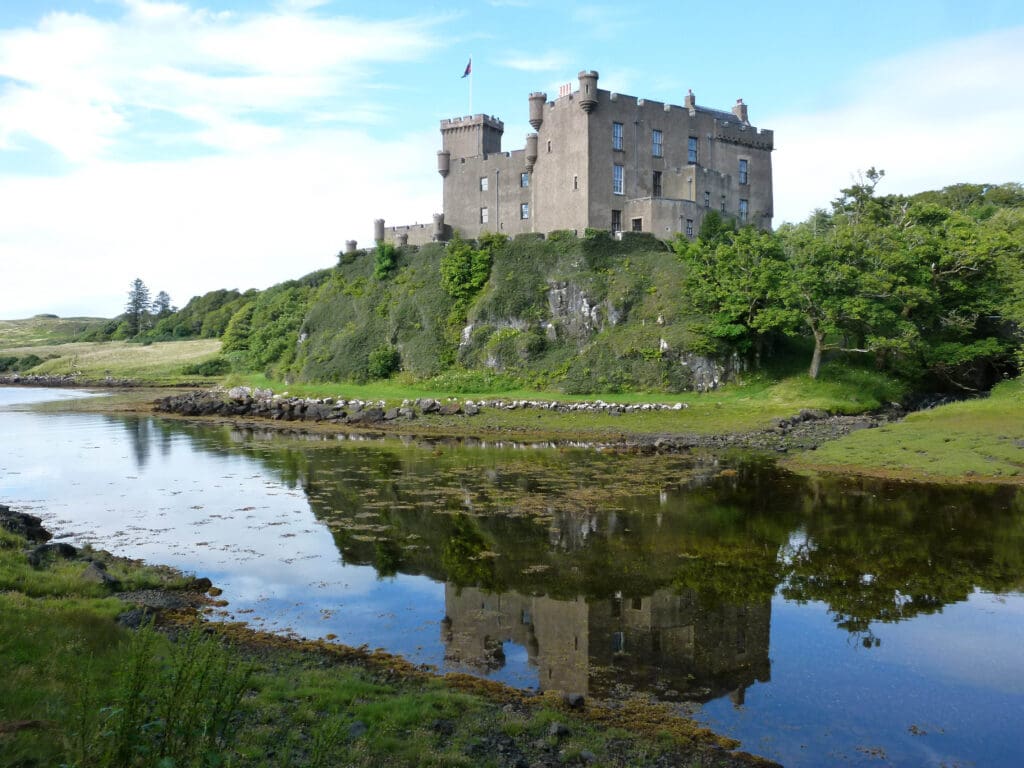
(666, 642)
(788, 609)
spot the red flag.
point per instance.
(469, 68)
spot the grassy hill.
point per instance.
(46, 329)
(562, 314)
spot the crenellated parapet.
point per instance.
(471, 135)
(744, 134)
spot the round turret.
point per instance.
(438, 227)
(350, 246)
(588, 90)
(378, 231)
(444, 162)
(537, 101)
(531, 150)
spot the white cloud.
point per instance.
(942, 115)
(266, 118)
(240, 220)
(77, 83)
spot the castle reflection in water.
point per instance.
(665, 641)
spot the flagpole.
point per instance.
(471, 84)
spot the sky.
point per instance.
(206, 144)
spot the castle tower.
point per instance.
(588, 90)
(471, 136)
(537, 101)
(531, 151)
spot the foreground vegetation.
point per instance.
(83, 690)
(969, 441)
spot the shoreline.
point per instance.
(615, 427)
(180, 603)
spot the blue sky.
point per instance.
(204, 144)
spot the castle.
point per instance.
(599, 160)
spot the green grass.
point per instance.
(972, 440)
(159, 363)
(44, 330)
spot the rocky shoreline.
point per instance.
(805, 430)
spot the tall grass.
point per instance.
(172, 706)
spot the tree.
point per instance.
(162, 305)
(733, 279)
(137, 310)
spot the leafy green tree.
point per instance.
(734, 280)
(236, 335)
(464, 269)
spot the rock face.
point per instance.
(574, 314)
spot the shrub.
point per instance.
(218, 366)
(384, 260)
(383, 361)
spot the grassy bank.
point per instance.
(970, 441)
(82, 690)
(164, 363)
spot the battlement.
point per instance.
(472, 121)
(734, 132)
(471, 136)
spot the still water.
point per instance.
(819, 622)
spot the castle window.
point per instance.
(689, 227)
(743, 171)
(637, 603)
(616, 221)
(524, 210)
(616, 135)
(743, 211)
(637, 225)
(575, 182)
(484, 214)
(656, 184)
(707, 199)
(618, 179)
(723, 204)
(691, 149)
(483, 183)
(656, 143)
(549, 145)
(524, 179)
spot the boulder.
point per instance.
(23, 524)
(96, 573)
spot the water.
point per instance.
(818, 621)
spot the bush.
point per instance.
(216, 367)
(384, 260)
(384, 361)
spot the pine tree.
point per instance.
(136, 312)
